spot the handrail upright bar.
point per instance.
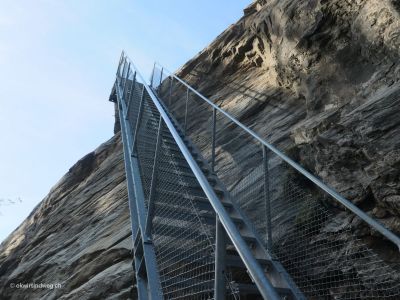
(170, 91)
(120, 62)
(220, 261)
(132, 90)
(346, 203)
(152, 74)
(265, 287)
(125, 81)
(123, 70)
(267, 199)
(186, 111)
(161, 75)
(213, 138)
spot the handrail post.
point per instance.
(186, 110)
(220, 261)
(170, 92)
(214, 124)
(120, 62)
(123, 72)
(132, 90)
(125, 81)
(161, 75)
(152, 74)
(267, 199)
(140, 112)
(153, 184)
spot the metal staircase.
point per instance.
(192, 238)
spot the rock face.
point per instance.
(77, 237)
(321, 81)
(318, 79)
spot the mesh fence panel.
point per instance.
(315, 242)
(318, 246)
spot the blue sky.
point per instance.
(57, 65)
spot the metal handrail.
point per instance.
(345, 202)
(265, 287)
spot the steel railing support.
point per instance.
(123, 72)
(140, 113)
(170, 91)
(120, 63)
(213, 141)
(125, 81)
(152, 75)
(154, 180)
(132, 90)
(267, 199)
(186, 110)
(161, 75)
(220, 261)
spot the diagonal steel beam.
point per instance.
(151, 280)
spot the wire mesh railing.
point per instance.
(304, 224)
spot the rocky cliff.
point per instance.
(78, 238)
(319, 79)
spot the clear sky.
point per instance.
(57, 64)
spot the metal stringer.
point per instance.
(145, 266)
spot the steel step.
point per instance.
(179, 163)
(181, 182)
(152, 140)
(202, 203)
(176, 232)
(193, 193)
(175, 175)
(236, 261)
(208, 217)
(152, 124)
(163, 168)
(171, 147)
(246, 289)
